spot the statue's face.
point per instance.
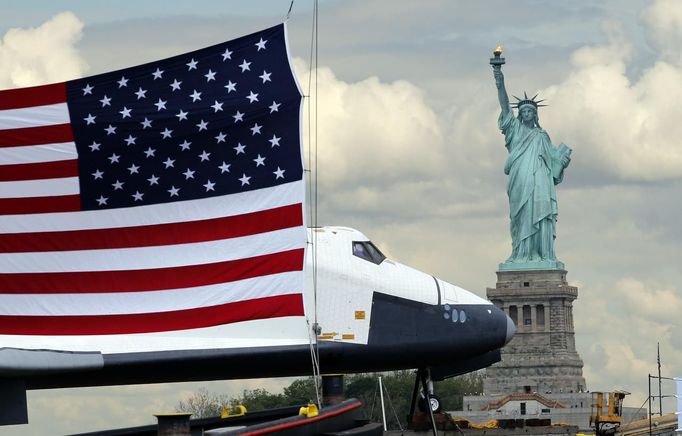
(527, 114)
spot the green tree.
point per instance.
(398, 387)
(260, 399)
(301, 391)
(452, 391)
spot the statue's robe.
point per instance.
(534, 167)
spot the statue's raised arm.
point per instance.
(497, 63)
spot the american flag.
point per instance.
(166, 196)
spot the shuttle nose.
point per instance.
(511, 330)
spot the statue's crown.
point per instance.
(525, 101)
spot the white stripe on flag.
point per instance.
(150, 301)
(39, 188)
(38, 153)
(34, 116)
(181, 211)
(256, 333)
(165, 256)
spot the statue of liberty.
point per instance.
(534, 167)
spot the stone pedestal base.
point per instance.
(541, 358)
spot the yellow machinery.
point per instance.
(228, 411)
(607, 411)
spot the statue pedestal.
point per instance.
(541, 358)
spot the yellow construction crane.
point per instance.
(607, 411)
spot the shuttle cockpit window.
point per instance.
(368, 251)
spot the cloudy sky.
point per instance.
(409, 151)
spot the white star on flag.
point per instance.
(261, 44)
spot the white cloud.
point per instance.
(628, 128)
(372, 133)
(43, 54)
(618, 327)
(659, 305)
(664, 25)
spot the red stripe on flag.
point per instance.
(153, 279)
(34, 96)
(41, 170)
(155, 235)
(260, 308)
(53, 134)
(55, 203)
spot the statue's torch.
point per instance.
(497, 61)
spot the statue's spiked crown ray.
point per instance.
(525, 101)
